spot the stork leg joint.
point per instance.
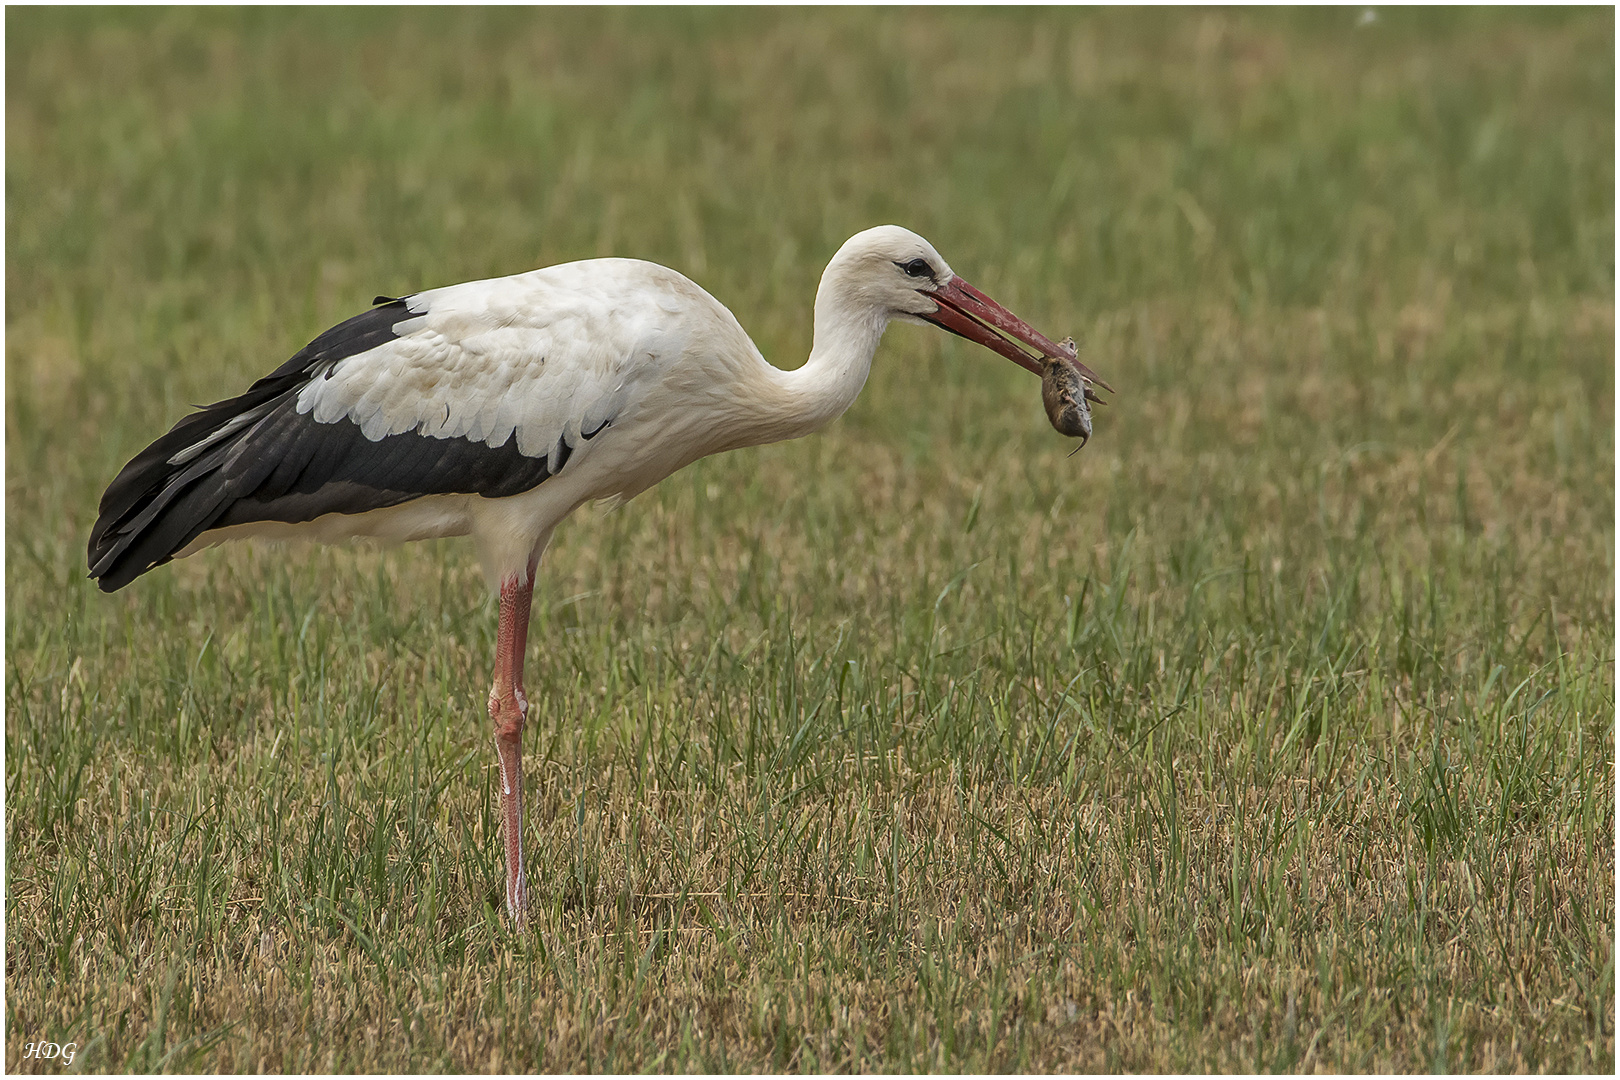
(508, 710)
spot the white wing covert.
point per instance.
(515, 358)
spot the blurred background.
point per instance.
(1315, 229)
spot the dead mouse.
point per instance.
(1064, 392)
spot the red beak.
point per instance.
(967, 312)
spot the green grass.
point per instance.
(1274, 730)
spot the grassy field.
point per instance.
(1273, 731)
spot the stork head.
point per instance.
(896, 274)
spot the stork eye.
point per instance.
(917, 268)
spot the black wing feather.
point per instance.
(279, 465)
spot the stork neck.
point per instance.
(817, 393)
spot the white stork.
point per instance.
(495, 408)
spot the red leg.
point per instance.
(507, 709)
